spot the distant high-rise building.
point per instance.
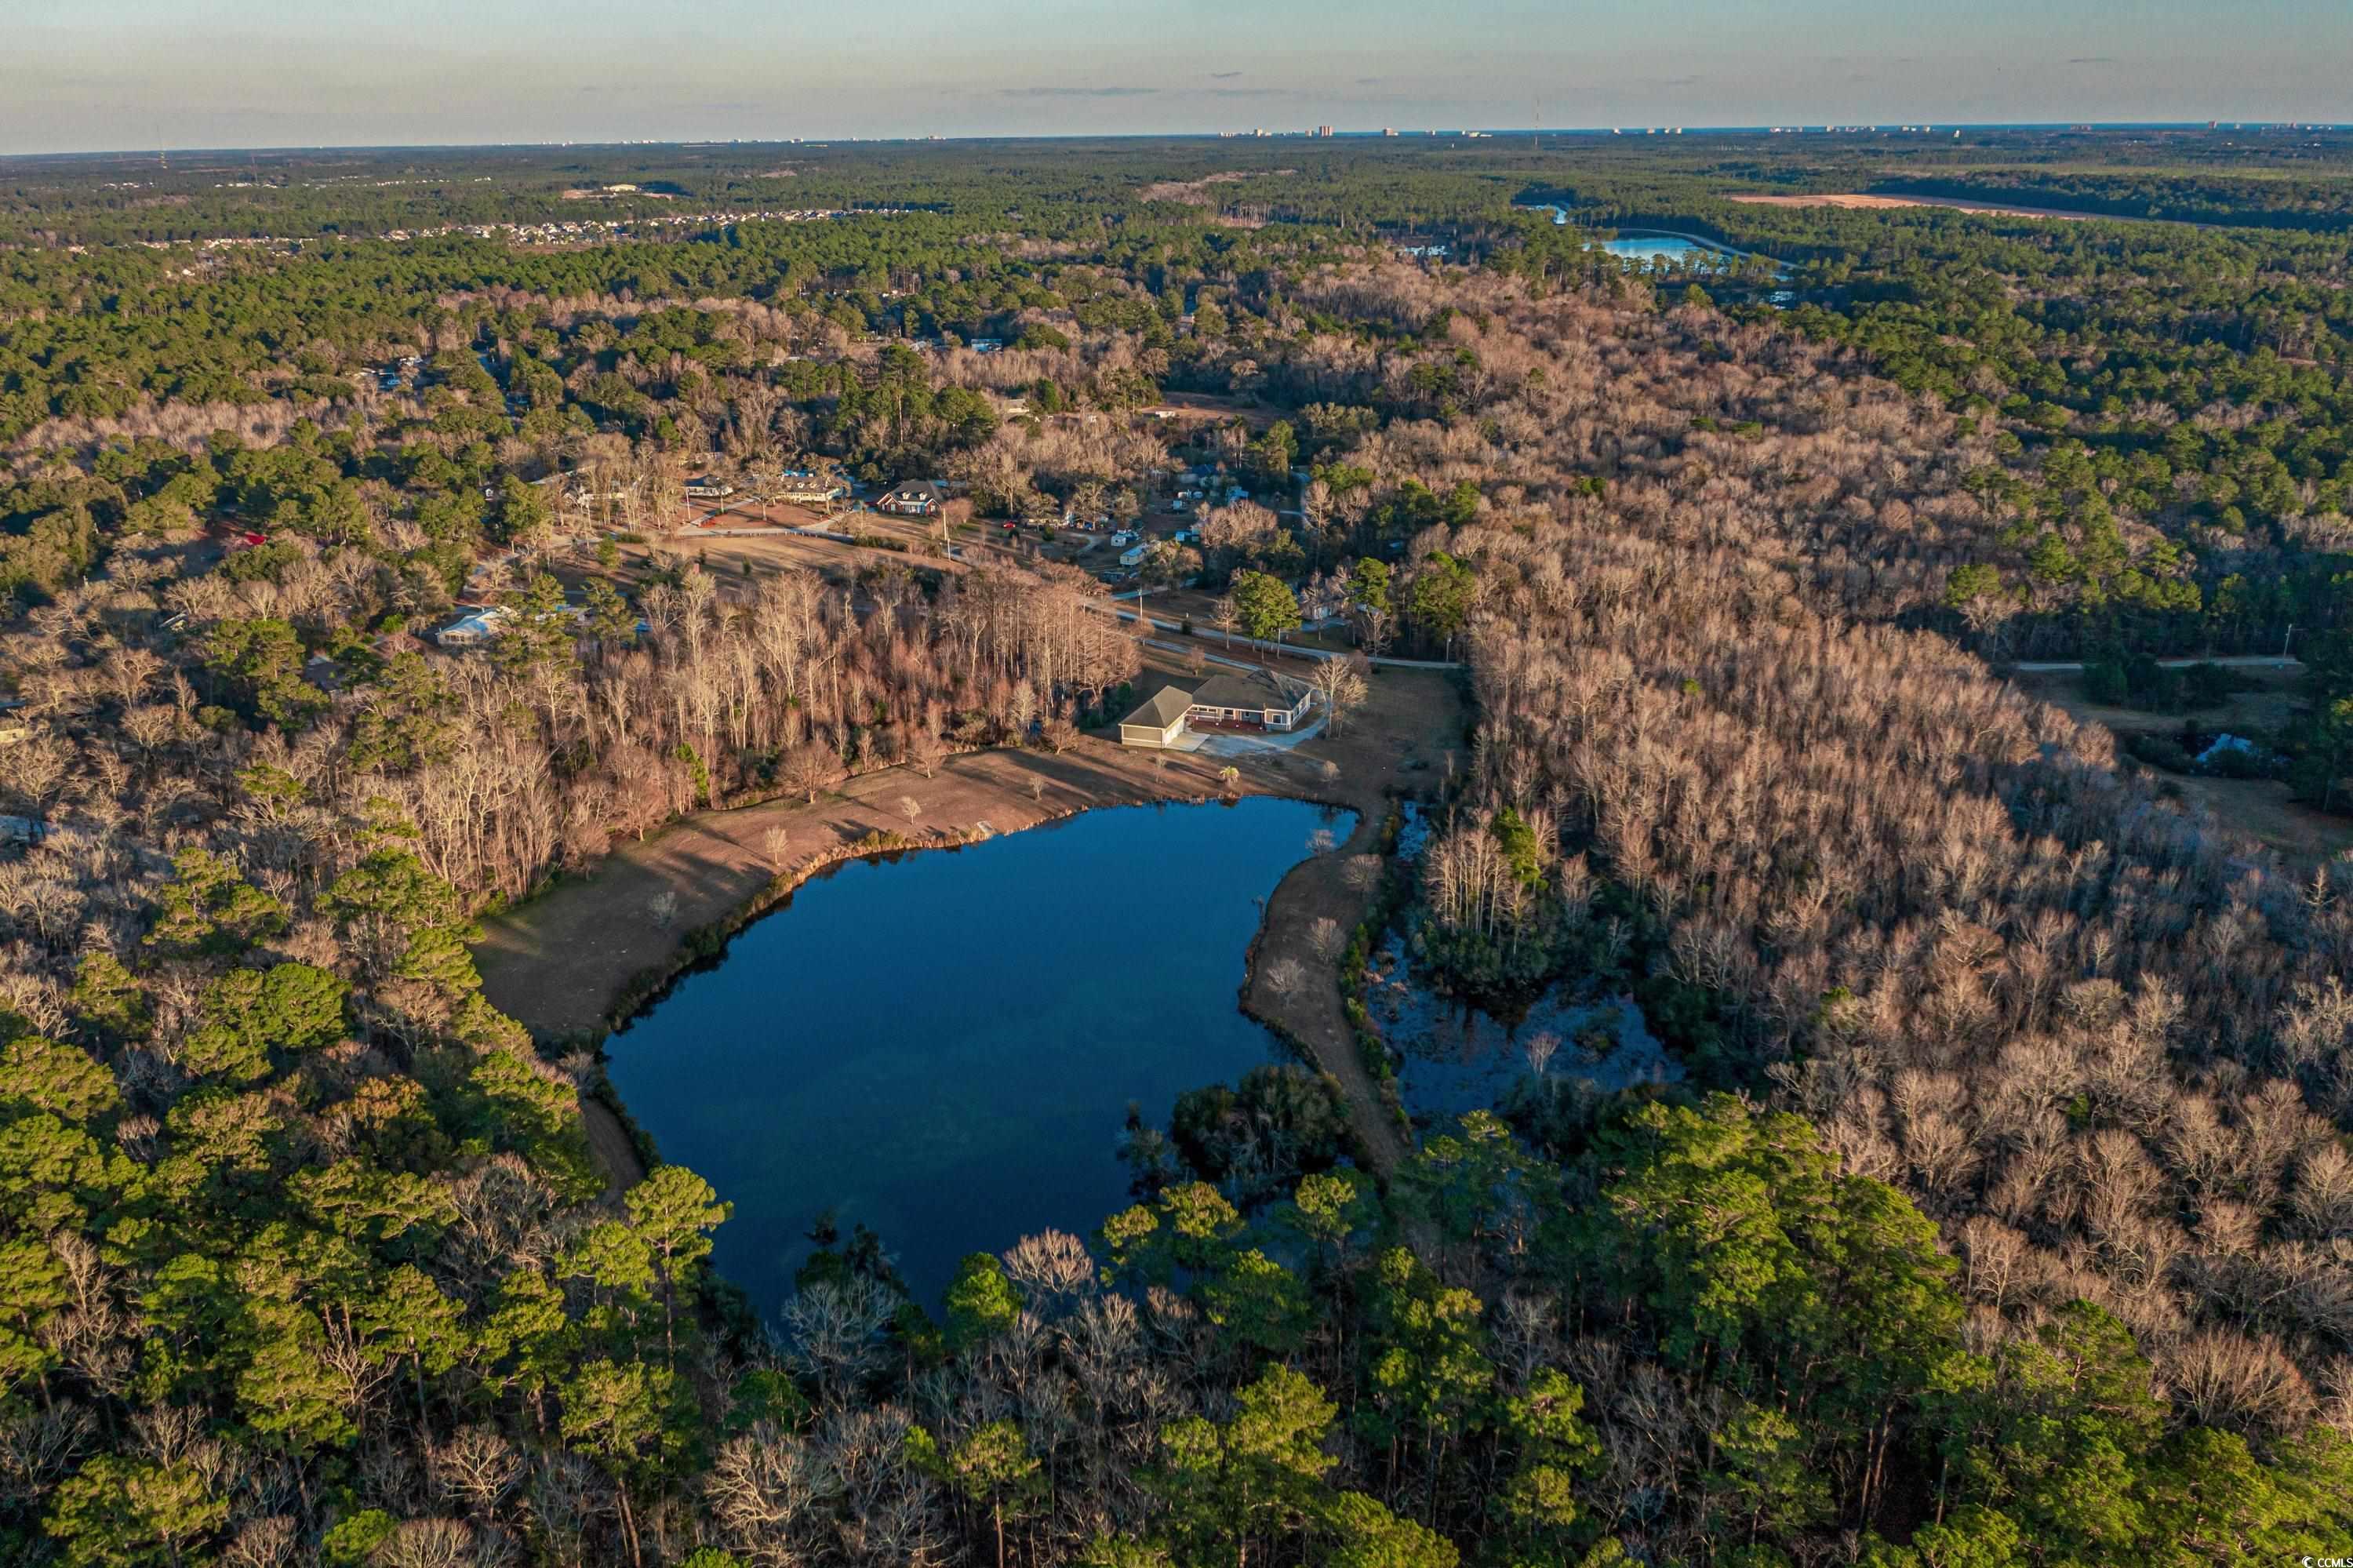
(1322, 130)
(1389, 130)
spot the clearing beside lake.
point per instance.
(563, 962)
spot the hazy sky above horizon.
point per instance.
(82, 75)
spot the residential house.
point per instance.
(1231, 699)
(916, 498)
(1134, 555)
(806, 489)
(478, 627)
(708, 489)
(1253, 699)
(475, 628)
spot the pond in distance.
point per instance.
(943, 1045)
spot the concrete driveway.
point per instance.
(1238, 743)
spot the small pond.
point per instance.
(1454, 1059)
(1662, 248)
(1640, 248)
(943, 1045)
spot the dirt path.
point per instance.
(615, 1150)
(564, 961)
(1312, 1012)
(1399, 745)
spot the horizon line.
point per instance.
(2238, 123)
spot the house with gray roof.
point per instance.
(1160, 721)
(1231, 699)
(1250, 699)
(916, 498)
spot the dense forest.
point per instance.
(2003, 1210)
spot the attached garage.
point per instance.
(1159, 722)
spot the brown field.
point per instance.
(564, 962)
(1855, 200)
(738, 559)
(1197, 193)
(2270, 699)
(2260, 808)
(1208, 405)
(1846, 201)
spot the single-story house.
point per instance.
(1248, 697)
(474, 628)
(916, 498)
(477, 627)
(708, 489)
(1233, 699)
(1133, 555)
(810, 490)
(1160, 721)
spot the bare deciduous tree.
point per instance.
(1326, 938)
(1340, 685)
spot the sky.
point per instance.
(103, 75)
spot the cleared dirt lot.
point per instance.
(1852, 201)
(1957, 204)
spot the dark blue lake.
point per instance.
(943, 1045)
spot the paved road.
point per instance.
(2235, 662)
(1293, 650)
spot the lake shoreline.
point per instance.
(550, 1000)
(574, 962)
(561, 962)
(909, 1024)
